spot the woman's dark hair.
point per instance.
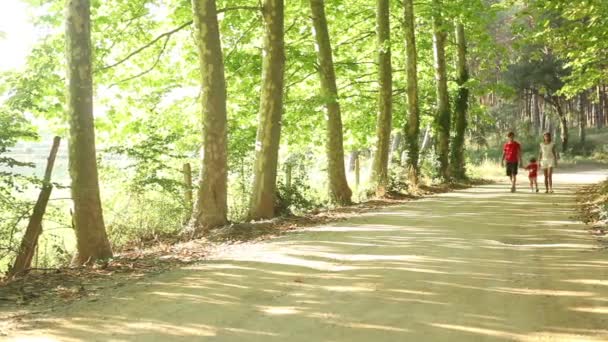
(532, 160)
(548, 134)
(510, 134)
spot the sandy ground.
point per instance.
(475, 265)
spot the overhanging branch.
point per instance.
(168, 34)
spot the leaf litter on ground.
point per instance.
(42, 289)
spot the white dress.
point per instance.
(548, 160)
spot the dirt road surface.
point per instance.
(475, 265)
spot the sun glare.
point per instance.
(16, 34)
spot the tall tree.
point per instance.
(556, 101)
(385, 98)
(211, 207)
(582, 120)
(443, 115)
(413, 122)
(339, 191)
(271, 108)
(91, 238)
(461, 106)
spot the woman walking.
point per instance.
(548, 160)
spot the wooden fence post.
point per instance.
(29, 242)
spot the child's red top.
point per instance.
(532, 169)
(511, 150)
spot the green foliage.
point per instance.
(13, 209)
(151, 164)
(294, 188)
(136, 219)
(147, 100)
(576, 31)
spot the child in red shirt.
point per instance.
(532, 174)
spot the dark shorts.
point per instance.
(512, 169)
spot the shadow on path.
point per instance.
(475, 265)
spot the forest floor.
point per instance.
(477, 264)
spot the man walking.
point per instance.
(511, 153)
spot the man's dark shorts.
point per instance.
(512, 169)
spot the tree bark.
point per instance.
(563, 123)
(412, 128)
(528, 104)
(211, 206)
(91, 238)
(582, 120)
(536, 114)
(443, 115)
(263, 193)
(461, 106)
(599, 107)
(340, 193)
(385, 98)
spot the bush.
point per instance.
(298, 196)
(138, 218)
(14, 210)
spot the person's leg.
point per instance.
(550, 170)
(536, 183)
(546, 172)
(531, 183)
(508, 170)
(511, 174)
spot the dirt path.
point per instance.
(474, 265)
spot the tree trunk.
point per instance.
(211, 206)
(396, 142)
(29, 242)
(271, 108)
(528, 109)
(582, 120)
(461, 106)
(443, 115)
(385, 98)
(413, 123)
(599, 108)
(91, 238)
(536, 114)
(339, 191)
(563, 123)
(425, 139)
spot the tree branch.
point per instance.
(169, 33)
(236, 8)
(150, 68)
(166, 34)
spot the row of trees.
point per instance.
(376, 71)
(211, 207)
